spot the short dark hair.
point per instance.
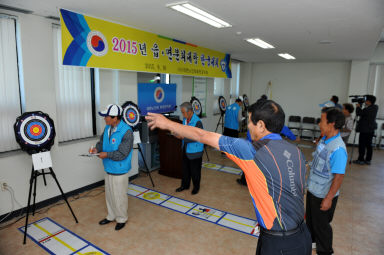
(349, 107)
(334, 115)
(270, 113)
(370, 98)
(335, 99)
(264, 97)
(238, 100)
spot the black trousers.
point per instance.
(318, 223)
(365, 144)
(231, 132)
(296, 244)
(191, 170)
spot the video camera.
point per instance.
(358, 99)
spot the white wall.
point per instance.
(298, 87)
(184, 93)
(378, 55)
(72, 171)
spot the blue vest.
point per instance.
(320, 176)
(231, 116)
(194, 149)
(112, 144)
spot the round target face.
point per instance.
(34, 131)
(196, 106)
(245, 101)
(131, 114)
(222, 104)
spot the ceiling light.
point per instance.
(286, 56)
(260, 43)
(199, 14)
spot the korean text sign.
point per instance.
(92, 42)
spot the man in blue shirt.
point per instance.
(115, 149)
(192, 151)
(325, 178)
(233, 115)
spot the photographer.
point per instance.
(366, 126)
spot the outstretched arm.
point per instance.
(193, 133)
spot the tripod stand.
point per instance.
(221, 121)
(33, 182)
(145, 163)
(355, 121)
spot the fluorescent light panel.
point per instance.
(199, 14)
(286, 56)
(260, 43)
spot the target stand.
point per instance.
(131, 116)
(197, 109)
(222, 107)
(33, 182)
(35, 133)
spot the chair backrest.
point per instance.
(293, 118)
(309, 120)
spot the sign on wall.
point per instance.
(156, 97)
(199, 90)
(92, 42)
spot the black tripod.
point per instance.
(355, 121)
(33, 182)
(221, 121)
(145, 163)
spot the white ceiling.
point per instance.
(295, 26)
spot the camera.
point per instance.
(358, 99)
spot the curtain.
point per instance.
(10, 107)
(73, 97)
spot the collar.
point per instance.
(272, 136)
(326, 141)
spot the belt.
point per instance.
(115, 174)
(281, 233)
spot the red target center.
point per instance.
(131, 115)
(36, 130)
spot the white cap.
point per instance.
(112, 110)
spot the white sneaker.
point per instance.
(313, 246)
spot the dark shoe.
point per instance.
(180, 189)
(105, 221)
(119, 226)
(195, 191)
(239, 181)
(367, 162)
(359, 162)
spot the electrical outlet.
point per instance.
(3, 186)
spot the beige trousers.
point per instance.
(116, 188)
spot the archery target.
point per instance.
(196, 105)
(222, 104)
(245, 101)
(131, 114)
(34, 132)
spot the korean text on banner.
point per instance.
(92, 42)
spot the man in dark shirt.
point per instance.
(275, 173)
(192, 151)
(366, 126)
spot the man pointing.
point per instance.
(274, 170)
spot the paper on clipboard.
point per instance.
(136, 137)
(89, 155)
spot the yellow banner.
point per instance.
(92, 42)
